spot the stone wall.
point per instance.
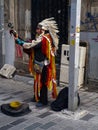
(19, 13)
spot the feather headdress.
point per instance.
(51, 25)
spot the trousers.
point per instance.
(44, 89)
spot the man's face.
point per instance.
(38, 31)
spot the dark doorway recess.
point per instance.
(59, 9)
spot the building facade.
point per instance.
(26, 14)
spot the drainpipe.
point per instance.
(74, 53)
(2, 44)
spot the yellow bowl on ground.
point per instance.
(15, 104)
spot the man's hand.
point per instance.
(14, 33)
(27, 45)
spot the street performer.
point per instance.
(43, 58)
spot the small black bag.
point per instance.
(62, 100)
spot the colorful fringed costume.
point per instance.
(50, 78)
(42, 60)
(49, 51)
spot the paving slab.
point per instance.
(21, 88)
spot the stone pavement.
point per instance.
(21, 88)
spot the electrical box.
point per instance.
(64, 67)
